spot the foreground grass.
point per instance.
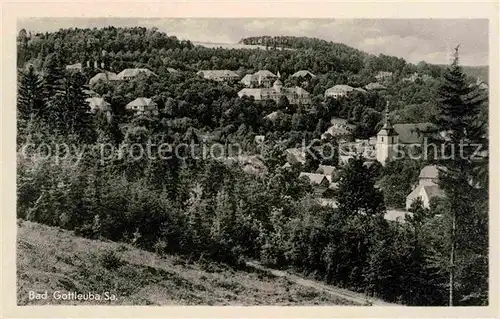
(50, 259)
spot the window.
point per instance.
(382, 139)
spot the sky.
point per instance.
(415, 40)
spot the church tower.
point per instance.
(278, 85)
(387, 141)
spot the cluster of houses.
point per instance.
(140, 105)
(261, 85)
(265, 85)
(381, 148)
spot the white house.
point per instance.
(303, 74)
(259, 139)
(128, 74)
(340, 90)
(339, 129)
(375, 87)
(295, 95)
(262, 78)
(97, 104)
(74, 67)
(219, 75)
(142, 105)
(315, 179)
(427, 187)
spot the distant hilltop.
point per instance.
(239, 45)
(480, 72)
(293, 42)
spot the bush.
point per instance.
(110, 260)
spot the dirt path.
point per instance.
(358, 298)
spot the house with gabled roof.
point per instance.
(295, 155)
(219, 75)
(303, 74)
(128, 74)
(315, 179)
(103, 76)
(98, 104)
(326, 169)
(339, 129)
(261, 78)
(273, 116)
(427, 187)
(142, 105)
(339, 90)
(425, 193)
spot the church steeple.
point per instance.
(387, 140)
(388, 128)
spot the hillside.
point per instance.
(53, 259)
(480, 72)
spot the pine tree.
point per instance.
(459, 107)
(76, 109)
(53, 75)
(357, 192)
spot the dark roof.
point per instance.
(387, 130)
(326, 169)
(429, 171)
(409, 133)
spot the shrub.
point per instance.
(111, 260)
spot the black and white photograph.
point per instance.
(252, 162)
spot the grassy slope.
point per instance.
(50, 259)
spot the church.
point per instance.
(387, 142)
(393, 140)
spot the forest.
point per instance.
(206, 209)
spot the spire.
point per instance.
(279, 75)
(387, 124)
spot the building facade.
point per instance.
(226, 76)
(338, 91)
(129, 74)
(262, 78)
(142, 105)
(295, 95)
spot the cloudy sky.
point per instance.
(430, 40)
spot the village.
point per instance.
(325, 165)
(265, 85)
